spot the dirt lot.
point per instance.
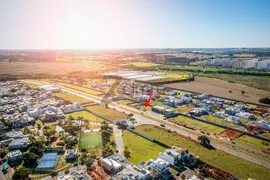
(221, 88)
(230, 134)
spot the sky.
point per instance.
(115, 24)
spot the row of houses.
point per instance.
(158, 168)
(238, 63)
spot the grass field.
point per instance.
(140, 148)
(258, 82)
(107, 112)
(253, 143)
(90, 140)
(70, 97)
(144, 64)
(124, 101)
(220, 121)
(49, 67)
(83, 89)
(237, 166)
(32, 85)
(197, 124)
(86, 115)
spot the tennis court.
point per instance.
(48, 160)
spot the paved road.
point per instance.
(118, 139)
(142, 119)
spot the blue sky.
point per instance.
(89, 24)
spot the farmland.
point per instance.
(56, 68)
(90, 140)
(140, 148)
(237, 166)
(144, 64)
(221, 88)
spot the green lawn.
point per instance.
(70, 97)
(83, 89)
(237, 166)
(90, 140)
(197, 124)
(183, 109)
(39, 121)
(140, 148)
(86, 115)
(107, 112)
(252, 142)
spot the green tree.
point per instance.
(35, 150)
(3, 153)
(204, 140)
(89, 163)
(30, 158)
(126, 152)
(21, 174)
(54, 173)
(67, 171)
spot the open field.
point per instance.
(86, 115)
(70, 97)
(57, 68)
(107, 112)
(124, 101)
(83, 89)
(221, 88)
(253, 143)
(258, 82)
(237, 166)
(220, 121)
(197, 124)
(90, 140)
(144, 64)
(140, 148)
(32, 85)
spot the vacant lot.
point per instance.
(86, 115)
(140, 148)
(197, 124)
(108, 113)
(90, 140)
(70, 97)
(237, 166)
(253, 143)
(49, 67)
(78, 88)
(221, 88)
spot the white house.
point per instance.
(263, 124)
(170, 155)
(76, 106)
(132, 172)
(50, 87)
(33, 112)
(111, 165)
(233, 119)
(160, 169)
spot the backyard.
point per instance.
(140, 148)
(90, 140)
(237, 166)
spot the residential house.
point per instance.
(71, 154)
(263, 124)
(132, 172)
(14, 156)
(233, 119)
(19, 143)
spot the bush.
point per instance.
(60, 144)
(265, 100)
